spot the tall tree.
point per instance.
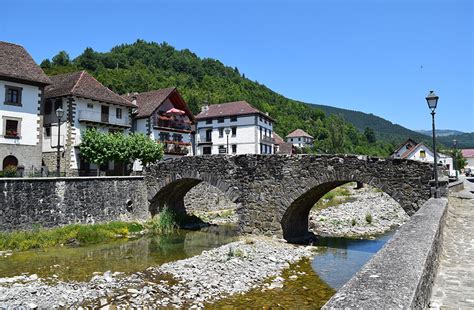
(369, 135)
(61, 59)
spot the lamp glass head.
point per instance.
(59, 113)
(432, 100)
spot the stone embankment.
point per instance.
(366, 212)
(234, 268)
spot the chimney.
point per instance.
(205, 108)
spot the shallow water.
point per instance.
(123, 256)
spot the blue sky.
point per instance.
(379, 57)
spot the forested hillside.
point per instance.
(144, 66)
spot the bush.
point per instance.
(368, 218)
(163, 223)
(10, 171)
(353, 222)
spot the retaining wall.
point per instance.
(49, 202)
(401, 274)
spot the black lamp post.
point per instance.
(432, 101)
(455, 160)
(59, 115)
(227, 132)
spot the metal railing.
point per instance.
(93, 116)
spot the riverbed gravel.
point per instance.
(368, 212)
(230, 269)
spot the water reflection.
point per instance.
(339, 258)
(122, 256)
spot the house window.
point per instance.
(177, 138)
(220, 120)
(118, 113)
(234, 131)
(221, 132)
(12, 128)
(291, 139)
(206, 150)
(58, 104)
(222, 149)
(234, 148)
(90, 105)
(13, 95)
(47, 131)
(209, 121)
(233, 119)
(164, 136)
(422, 154)
(48, 107)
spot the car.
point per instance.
(468, 172)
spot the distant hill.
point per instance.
(144, 66)
(464, 140)
(384, 129)
(441, 132)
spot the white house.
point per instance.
(300, 138)
(234, 128)
(468, 154)
(21, 89)
(86, 104)
(420, 152)
(164, 116)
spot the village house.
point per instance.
(299, 138)
(21, 91)
(164, 116)
(86, 104)
(234, 128)
(468, 154)
(420, 152)
(282, 147)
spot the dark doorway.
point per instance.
(10, 161)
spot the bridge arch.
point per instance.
(274, 193)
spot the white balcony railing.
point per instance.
(98, 117)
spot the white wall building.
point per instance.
(420, 152)
(238, 125)
(468, 154)
(300, 138)
(164, 116)
(86, 104)
(21, 88)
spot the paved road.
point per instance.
(454, 283)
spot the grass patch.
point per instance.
(333, 198)
(164, 222)
(38, 237)
(368, 218)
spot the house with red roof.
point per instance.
(300, 138)
(468, 154)
(86, 104)
(165, 117)
(412, 150)
(234, 128)
(22, 84)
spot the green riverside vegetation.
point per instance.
(144, 66)
(85, 234)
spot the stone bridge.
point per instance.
(274, 193)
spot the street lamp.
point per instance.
(432, 101)
(455, 157)
(59, 115)
(227, 132)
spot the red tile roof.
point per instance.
(82, 84)
(278, 139)
(17, 64)
(404, 143)
(230, 109)
(467, 153)
(299, 133)
(148, 102)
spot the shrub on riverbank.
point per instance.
(163, 223)
(69, 234)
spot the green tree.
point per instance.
(61, 59)
(144, 149)
(335, 126)
(369, 135)
(89, 60)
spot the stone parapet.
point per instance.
(50, 202)
(401, 274)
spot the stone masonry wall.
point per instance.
(50, 202)
(205, 197)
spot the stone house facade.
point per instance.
(234, 128)
(86, 104)
(21, 93)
